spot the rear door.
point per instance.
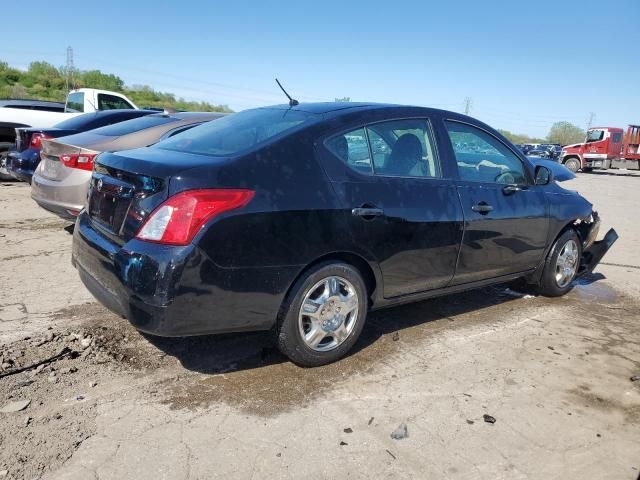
(506, 216)
(400, 208)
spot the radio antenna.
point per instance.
(292, 101)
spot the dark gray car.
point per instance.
(61, 180)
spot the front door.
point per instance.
(401, 210)
(505, 214)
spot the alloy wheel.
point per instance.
(328, 313)
(566, 264)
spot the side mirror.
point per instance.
(543, 175)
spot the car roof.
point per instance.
(195, 116)
(331, 109)
(26, 102)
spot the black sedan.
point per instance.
(22, 162)
(302, 219)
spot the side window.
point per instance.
(75, 102)
(111, 102)
(352, 149)
(483, 158)
(617, 137)
(403, 148)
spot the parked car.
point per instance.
(539, 151)
(7, 129)
(40, 114)
(266, 220)
(22, 162)
(60, 181)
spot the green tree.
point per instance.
(565, 133)
(520, 137)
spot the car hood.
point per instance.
(560, 172)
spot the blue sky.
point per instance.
(523, 64)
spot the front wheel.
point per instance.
(561, 265)
(572, 164)
(323, 315)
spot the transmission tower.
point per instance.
(69, 68)
(467, 105)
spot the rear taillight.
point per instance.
(82, 161)
(179, 218)
(36, 140)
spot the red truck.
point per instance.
(604, 147)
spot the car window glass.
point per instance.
(111, 102)
(134, 125)
(482, 157)
(403, 148)
(75, 102)
(239, 132)
(352, 149)
(617, 138)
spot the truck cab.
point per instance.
(85, 100)
(602, 146)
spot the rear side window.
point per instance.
(616, 137)
(482, 157)
(75, 102)
(111, 102)
(239, 132)
(400, 148)
(134, 125)
(352, 149)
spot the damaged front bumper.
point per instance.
(592, 251)
(592, 255)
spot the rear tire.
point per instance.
(4, 148)
(323, 315)
(572, 164)
(561, 266)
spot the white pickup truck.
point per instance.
(83, 100)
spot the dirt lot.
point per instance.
(554, 373)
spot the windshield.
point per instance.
(595, 135)
(237, 132)
(135, 125)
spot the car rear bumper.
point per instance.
(64, 198)
(175, 290)
(21, 165)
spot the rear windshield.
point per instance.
(135, 125)
(238, 132)
(98, 119)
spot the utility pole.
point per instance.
(69, 68)
(467, 105)
(590, 122)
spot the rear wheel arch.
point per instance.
(371, 279)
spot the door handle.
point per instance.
(482, 207)
(367, 213)
(509, 189)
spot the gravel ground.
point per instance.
(486, 384)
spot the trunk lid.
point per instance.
(127, 186)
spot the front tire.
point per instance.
(572, 164)
(323, 315)
(561, 266)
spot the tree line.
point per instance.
(44, 81)
(564, 133)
